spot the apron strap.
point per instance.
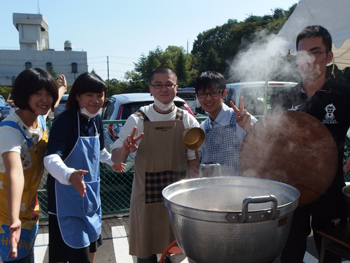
(142, 115)
(233, 118)
(232, 122)
(14, 125)
(179, 114)
(96, 133)
(43, 123)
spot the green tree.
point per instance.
(145, 65)
(5, 91)
(172, 57)
(211, 62)
(212, 50)
(171, 53)
(53, 73)
(181, 69)
(169, 63)
(134, 83)
(228, 39)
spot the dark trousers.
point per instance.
(59, 251)
(152, 259)
(26, 259)
(325, 208)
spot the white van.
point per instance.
(189, 95)
(256, 95)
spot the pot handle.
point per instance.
(260, 216)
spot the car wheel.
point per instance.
(1, 115)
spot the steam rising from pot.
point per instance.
(264, 59)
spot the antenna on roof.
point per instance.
(38, 8)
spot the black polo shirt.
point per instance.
(331, 106)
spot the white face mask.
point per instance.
(87, 113)
(162, 106)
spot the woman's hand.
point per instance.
(118, 167)
(62, 88)
(76, 179)
(15, 233)
(62, 82)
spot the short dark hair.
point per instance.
(316, 31)
(30, 81)
(210, 80)
(86, 82)
(162, 70)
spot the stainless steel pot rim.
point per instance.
(219, 181)
(218, 215)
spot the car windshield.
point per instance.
(255, 98)
(187, 95)
(2, 101)
(64, 98)
(130, 108)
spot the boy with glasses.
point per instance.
(154, 134)
(225, 128)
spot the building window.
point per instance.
(74, 67)
(28, 65)
(48, 65)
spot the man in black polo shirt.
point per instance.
(329, 102)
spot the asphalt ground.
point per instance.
(115, 231)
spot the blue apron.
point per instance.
(223, 146)
(79, 218)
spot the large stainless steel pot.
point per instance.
(231, 219)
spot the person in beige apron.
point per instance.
(155, 131)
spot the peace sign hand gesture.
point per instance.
(130, 143)
(243, 117)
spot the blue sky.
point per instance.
(123, 30)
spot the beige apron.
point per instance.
(160, 161)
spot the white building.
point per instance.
(35, 52)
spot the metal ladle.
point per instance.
(194, 138)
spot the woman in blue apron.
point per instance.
(73, 155)
(23, 139)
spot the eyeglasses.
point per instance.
(160, 86)
(313, 53)
(213, 94)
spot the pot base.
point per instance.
(203, 215)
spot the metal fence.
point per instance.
(116, 187)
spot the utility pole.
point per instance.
(107, 75)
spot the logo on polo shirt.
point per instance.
(329, 118)
(295, 108)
